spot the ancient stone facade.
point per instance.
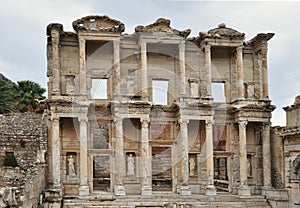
(156, 112)
(24, 137)
(288, 156)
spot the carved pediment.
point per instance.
(223, 31)
(99, 24)
(162, 25)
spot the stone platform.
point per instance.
(166, 200)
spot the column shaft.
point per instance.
(55, 62)
(55, 152)
(144, 79)
(240, 71)
(145, 158)
(244, 189)
(84, 189)
(210, 188)
(264, 52)
(208, 69)
(185, 189)
(116, 67)
(119, 158)
(82, 66)
(266, 155)
(182, 68)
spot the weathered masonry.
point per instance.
(156, 111)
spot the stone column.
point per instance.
(244, 189)
(144, 77)
(264, 51)
(145, 158)
(209, 149)
(55, 62)
(266, 156)
(56, 153)
(208, 69)
(184, 189)
(116, 83)
(240, 71)
(182, 83)
(84, 188)
(82, 67)
(119, 158)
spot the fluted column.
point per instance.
(55, 62)
(145, 158)
(209, 149)
(184, 189)
(119, 158)
(182, 84)
(208, 69)
(144, 80)
(240, 71)
(264, 63)
(266, 156)
(56, 144)
(84, 188)
(116, 67)
(82, 67)
(244, 189)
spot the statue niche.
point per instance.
(71, 166)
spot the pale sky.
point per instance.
(23, 32)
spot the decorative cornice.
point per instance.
(95, 23)
(162, 25)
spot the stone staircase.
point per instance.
(166, 200)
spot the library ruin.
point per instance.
(156, 113)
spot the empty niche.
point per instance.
(194, 87)
(70, 85)
(99, 88)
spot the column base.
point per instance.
(84, 190)
(185, 191)
(244, 191)
(146, 191)
(265, 189)
(119, 190)
(53, 198)
(210, 190)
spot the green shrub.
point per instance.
(10, 160)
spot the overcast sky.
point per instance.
(23, 32)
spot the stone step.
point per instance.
(168, 201)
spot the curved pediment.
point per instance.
(162, 25)
(97, 23)
(223, 31)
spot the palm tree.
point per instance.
(7, 97)
(29, 96)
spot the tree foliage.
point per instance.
(29, 96)
(7, 97)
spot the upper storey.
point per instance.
(157, 63)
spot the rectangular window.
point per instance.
(99, 89)
(160, 92)
(218, 92)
